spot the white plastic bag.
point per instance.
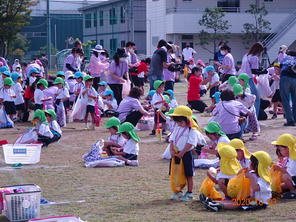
(79, 109)
(61, 114)
(263, 86)
(167, 153)
(126, 87)
(105, 162)
(29, 137)
(5, 121)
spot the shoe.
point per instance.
(214, 206)
(187, 197)
(202, 197)
(177, 196)
(289, 124)
(133, 163)
(289, 195)
(152, 133)
(253, 137)
(164, 133)
(274, 116)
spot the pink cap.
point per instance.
(200, 62)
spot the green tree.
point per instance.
(14, 14)
(216, 26)
(43, 50)
(257, 30)
(18, 46)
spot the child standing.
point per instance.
(19, 100)
(62, 96)
(7, 97)
(115, 139)
(130, 151)
(79, 83)
(39, 96)
(53, 125)
(90, 94)
(193, 95)
(248, 100)
(213, 81)
(157, 103)
(276, 98)
(182, 142)
(45, 136)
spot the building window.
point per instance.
(187, 0)
(113, 45)
(122, 14)
(229, 5)
(101, 18)
(122, 44)
(268, 0)
(87, 21)
(102, 43)
(112, 14)
(95, 19)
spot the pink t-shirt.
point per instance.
(249, 62)
(227, 114)
(229, 61)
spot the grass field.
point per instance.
(128, 193)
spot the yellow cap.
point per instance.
(239, 145)
(186, 112)
(229, 165)
(289, 141)
(265, 162)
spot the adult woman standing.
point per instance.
(228, 66)
(118, 73)
(250, 65)
(95, 65)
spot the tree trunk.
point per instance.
(2, 47)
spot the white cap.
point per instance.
(283, 48)
(98, 48)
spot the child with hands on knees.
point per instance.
(130, 150)
(115, 139)
(53, 124)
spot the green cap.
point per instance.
(8, 81)
(238, 89)
(58, 80)
(43, 82)
(232, 80)
(52, 113)
(170, 111)
(167, 99)
(214, 127)
(157, 83)
(88, 77)
(129, 128)
(113, 121)
(40, 115)
(245, 77)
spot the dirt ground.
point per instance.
(128, 193)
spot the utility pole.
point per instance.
(48, 36)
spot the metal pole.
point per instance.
(48, 36)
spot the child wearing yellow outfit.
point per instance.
(243, 155)
(260, 181)
(286, 144)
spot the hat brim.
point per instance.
(98, 50)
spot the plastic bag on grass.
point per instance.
(105, 162)
(79, 109)
(29, 137)
(208, 189)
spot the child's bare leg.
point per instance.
(221, 183)
(287, 182)
(190, 184)
(93, 117)
(228, 205)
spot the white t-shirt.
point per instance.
(91, 92)
(248, 101)
(78, 86)
(170, 124)
(215, 78)
(118, 139)
(7, 94)
(112, 102)
(183, 135)
(55, 126)
(188, 53)
(291, 167)
(265, 191)
(157, 98)
(173, 103)
(63, 93)
(245, 163)
(32, 79)
(19, 93)
(131, 147)
(44, 130)
(38, 96)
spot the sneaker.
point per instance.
(274, 116)
(152, 133)
(289, 195)
(289, 124)
(177, 196)
(214, 206)
(187, 197)
(202, 197)
(133, 163)
(164, 133)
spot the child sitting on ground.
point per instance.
(130, 150)
(286, 145)
(102, 88)
(110, 103)
(173, 104)
(115, 139)
(243, 80)
(7, 97)
(228, 84)
(213, 81)
(45, 136)
(182, 143)
(53, 125)
(260, 186)
(243, 155)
